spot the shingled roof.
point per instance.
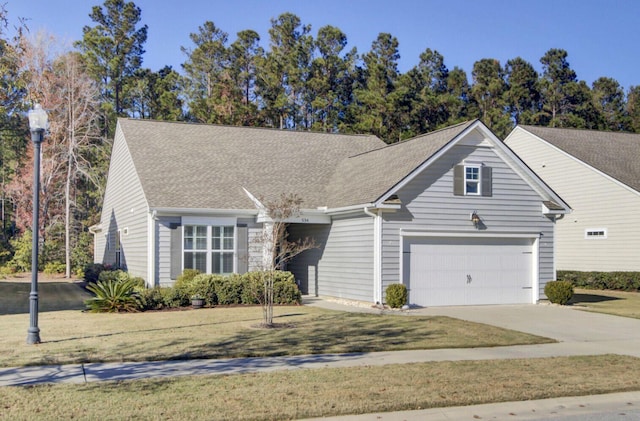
(197, 166)
(201, 166)
(613, 153)
(367, 177)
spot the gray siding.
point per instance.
(429, 204)
(124, 208)
(165, 226)
(598, 202)
(342, 265)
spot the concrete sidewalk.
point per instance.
(92, 372)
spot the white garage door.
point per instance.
(441, 271)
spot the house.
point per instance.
(453, 214)
(598, 174)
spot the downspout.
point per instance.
(151, 261)
(377, 255)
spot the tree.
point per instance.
(155, 95)
(207, 80)
(284, 71)
(633, 108)
(329, 85)
(522, 95)
(488, 91)
(558, 80)
(13, 130)
(60, 83)
(113, 50)
(375, 104)
(245, 53)
(277, 248)
(608, 99)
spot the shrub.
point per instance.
(229, 290)
(185, 278)
(92, 272)
(253, 288)
(559, 292)
(622, 281)
(396, 295)
(152, 298)
(21, 260)
(54, 267)
(175, 297)
(113, 296)
(204, 285)
(285, 289)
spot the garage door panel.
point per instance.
(463, 271)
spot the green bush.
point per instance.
(621, 281)
(396, 295)
(285, 289)
(204, 285)
(186, 277)
(253, 288)
(92, 272)
(21, 260)
(175, 297)
(152, 298)
(229, 290)
(559, 292)
(113, 296)
(54, 267)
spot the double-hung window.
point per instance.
(195, 247)
(209, 248)
(472, 179)
(222, 249)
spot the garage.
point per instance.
(442, 271)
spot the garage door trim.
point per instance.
(535, 236)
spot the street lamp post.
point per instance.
(37, 125)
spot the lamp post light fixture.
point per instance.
(37, 124)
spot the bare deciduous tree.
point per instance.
(277, 248)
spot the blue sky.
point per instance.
(601, 37)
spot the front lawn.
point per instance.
(618, 303)
(76, 337)
(299, 394)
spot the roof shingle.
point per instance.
(613, 153)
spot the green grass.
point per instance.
(75, 337)
(618, 303)
(325, 392)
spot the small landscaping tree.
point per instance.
(277, 247)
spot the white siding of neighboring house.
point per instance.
(598, 202)
(124, 208)
(343, 261)
(429, 205)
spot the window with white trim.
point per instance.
(595, 234)
(472, 179)
(209, 248)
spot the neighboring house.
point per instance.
(598, 174)
(452, 214)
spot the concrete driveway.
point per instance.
(585, 330)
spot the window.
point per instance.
(472, 180)
(209, 249)
(118, 249)
(222, 250)
(195, 247)
(595, 234)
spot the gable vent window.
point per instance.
(472, 180)
(595, 234)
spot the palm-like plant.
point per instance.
(113, 296)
